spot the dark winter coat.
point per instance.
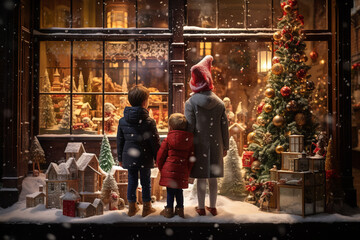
(173, 159)
(206, 116)
(137, 139)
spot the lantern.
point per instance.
(264, 61)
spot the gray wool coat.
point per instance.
(205, 113)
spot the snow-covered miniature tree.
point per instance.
(106, 159)
(109, 185)
(65, 121)
(37, 154)
(47, 114)
(232, 185)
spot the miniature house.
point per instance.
(32, 200)
(237, 131)
(90, 177)
(99, 206)
(86, 209)
(59, 179)
(74, 149)
(69, 201)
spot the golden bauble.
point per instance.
(270, 93)
(255, 166)
(268, 108)
(251, 137)
(279, 149)
(260, 121)
(277, 69)
(300, 119)
(278, 120)
(287, 8)
(277, 36)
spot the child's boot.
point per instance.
(133, 209)
(147, 209)
(180, 212)
(167, 212)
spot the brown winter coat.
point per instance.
(205, 113)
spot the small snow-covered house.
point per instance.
(90, 177)
(99, 206)
(85, 209)
(69, 202)
(32, 200)
(59, 179)
(74, 149)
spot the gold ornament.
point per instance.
(268, 108)
(277, 36)
(260, 121)
(304, 58)
(270, 93)
(287, 8)
(279, 149)
(278, 120)
(300, 119)
(277, 69)
(255, 166)
(251, 137)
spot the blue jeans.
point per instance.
(174, 193)
(133, 176)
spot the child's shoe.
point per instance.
(200, 211)
(213, 211)
(133, 209)
(179, 212)
(147, 209)
(167, 212)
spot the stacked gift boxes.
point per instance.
(301, 180)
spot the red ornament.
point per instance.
(285, 91)
(283, 4)
(275, 60)
(314, 55)
(248, 158)
(301, 73)
(260, 107)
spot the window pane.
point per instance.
(55, 13)
(201, 13)
(153, 13)
(235, 74)
(120, 66)
(120, 13)
(87, 13)
(317, 53)
(54, 114)
(231, 14)
(259, 14)
(153, 65)
(54, 66)
(87, 66)
(314, 12)
(87, 114)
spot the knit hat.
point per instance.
(201, 79)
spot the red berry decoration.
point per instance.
(292, 3)
(285, 91)
(260, 107)
(301, 73)
(275, 60)
(283, 4)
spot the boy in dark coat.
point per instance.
(137, 145)
(174, 163)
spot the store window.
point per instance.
(84, 84)
(104, 14)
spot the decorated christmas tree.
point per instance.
(285, 109)
(232, 185)
(47, 114)
(106, 159)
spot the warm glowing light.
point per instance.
(264, 61)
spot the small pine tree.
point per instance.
(47, 114)
(37, 154)
(106, 159)
(65, 121)
(109, 185)
(232, 185)
(81, 87)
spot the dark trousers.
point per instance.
(133, 178)
(173, 193)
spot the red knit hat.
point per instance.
(201, 79)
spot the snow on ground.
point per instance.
(229, 212)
